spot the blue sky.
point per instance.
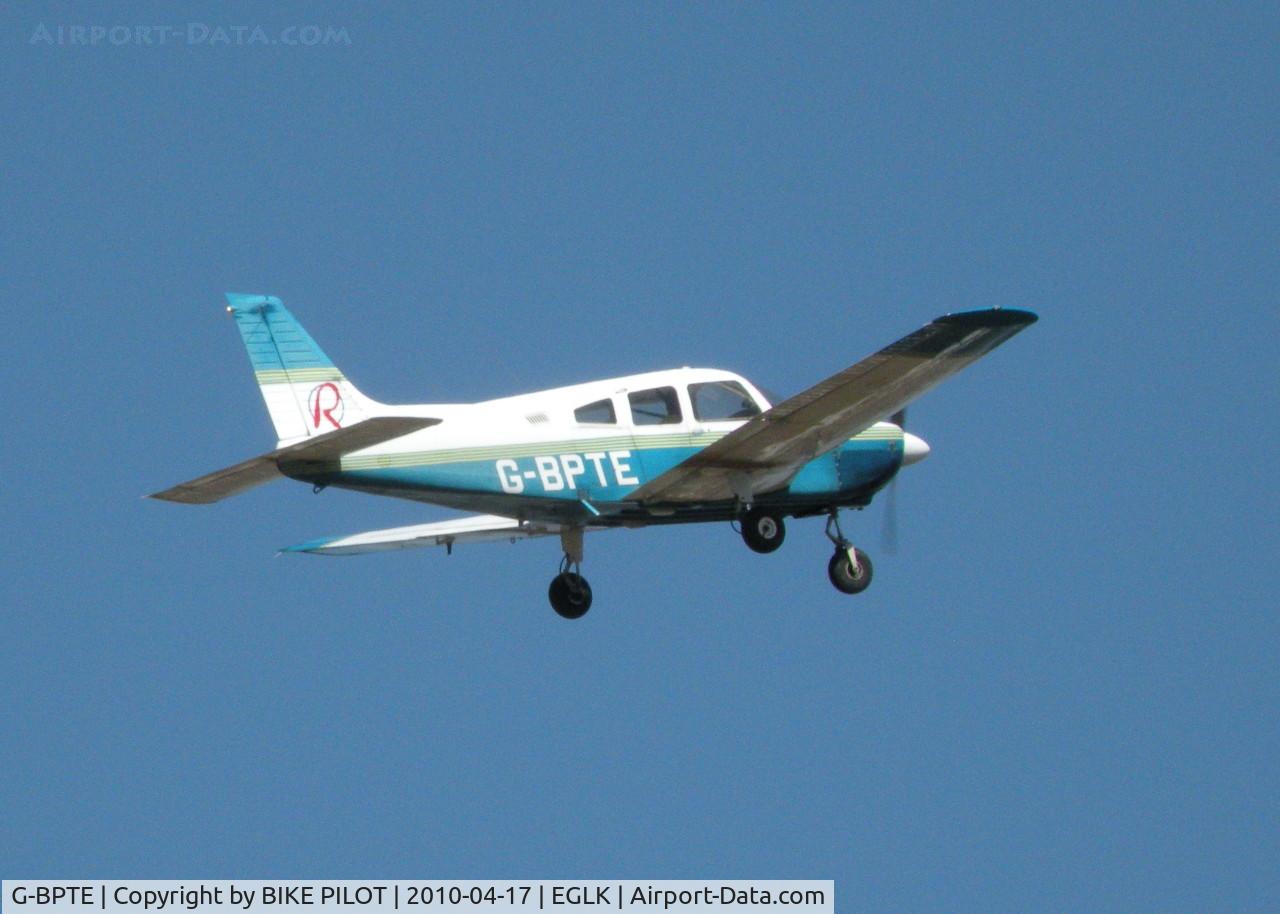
(1060, 694)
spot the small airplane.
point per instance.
(668, 447)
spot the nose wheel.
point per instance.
(850, 568)
(847, 578)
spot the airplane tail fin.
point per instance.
(305, 393)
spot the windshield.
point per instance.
(717, 401)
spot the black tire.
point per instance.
(763, 531)
(841, 572)
(570, 595)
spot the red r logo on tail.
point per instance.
(325, 402)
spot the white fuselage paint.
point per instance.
(547, 416)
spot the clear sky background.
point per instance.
(1059, 695)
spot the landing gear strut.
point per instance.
(570, 594)
(762, 531)
(850, 568)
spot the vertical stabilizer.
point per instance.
(305, 393)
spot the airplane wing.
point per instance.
(766, 452)
(478, 528)
(322, 449)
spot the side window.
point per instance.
(720, 400)
(659, 406)
(597, 413)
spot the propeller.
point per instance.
(889, 520)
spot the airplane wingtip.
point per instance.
(992, 317)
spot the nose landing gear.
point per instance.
(850, 568)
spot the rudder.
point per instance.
(305, 393)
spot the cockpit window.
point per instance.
(721, 400)
(597, 413)
(659, 406)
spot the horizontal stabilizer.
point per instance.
(478, 528)
(333, 445)
(329, 447)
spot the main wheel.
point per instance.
(570, 595)
(841, 573)
(763, 531)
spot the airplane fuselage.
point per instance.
(561, 468)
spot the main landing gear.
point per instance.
(850, 568)
(762, 530)
(570, 594)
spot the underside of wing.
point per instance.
(478, 528)
(765, 453)
(323, 449)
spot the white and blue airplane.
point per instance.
(667, 447)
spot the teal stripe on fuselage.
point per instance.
(608, 476)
